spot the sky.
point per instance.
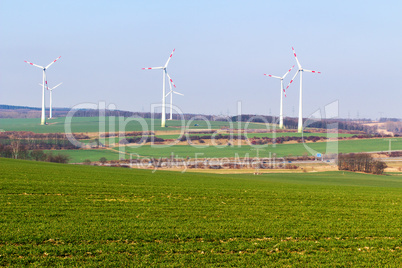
(223, 48)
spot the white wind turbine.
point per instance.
(50, 97)
(44, 83)
(163, 121)
(282, 92)
(171, 92)
(301, 70)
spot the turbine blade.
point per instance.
(175, 92)
(311, 71)
(170, 83)
(170, 92)
(171, 54)
(294, 53)
(291, 81)
(170, 80)
(153, 68)
(273, 76)
(283, 77)
(56, 86)
(46, 85)
(52, 62)
(33, 64)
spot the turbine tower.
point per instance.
(50, 97)
(282, 92)
(44, 83)
(301, 70)
(164, 72)
(171, 92)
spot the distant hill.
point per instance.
(13, 107)
(14, 111)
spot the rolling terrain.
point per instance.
(55, 214)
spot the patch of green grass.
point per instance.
(261, 135)
(110, 124)
(68, 215)
(293, 134)
(281, 150)
(78, 156)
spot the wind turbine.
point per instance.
(51, 90)
(301, 70)
(282, 92)
(163, 121)
(44, 83)
(171, 95)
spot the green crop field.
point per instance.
(261, 135)
(111, 124)
(78, 156)
(199, 151)
(65, 215)
(296, 149)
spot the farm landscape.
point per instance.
(299, 211)
(56, 214)
(101, 166)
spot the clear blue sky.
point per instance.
(223, 48)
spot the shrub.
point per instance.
(58, 158)
(103, 160)
(38, 155)
(87, 162)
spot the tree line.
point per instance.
(361, 162)
(16, 152)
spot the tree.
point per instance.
(38, 155)
(103, 160)
(87, 162)
(360, 162)
(379, 167)
(15, 145)
(58, 158)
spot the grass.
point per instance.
(281, 150)
(67, 215)
(294, 134)
(260, 135)
(78, 156)
(111, 124)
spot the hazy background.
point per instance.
(223, 48)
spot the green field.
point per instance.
(91, 124)
(78, 156)
(296, 149)
(261, 135)
(111, 124)
(281, 150)
(53, 215)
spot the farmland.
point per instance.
(56, 214)
(111, 124)
(78, 156)
(91, 125)
(281, 150)
(268, 135)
